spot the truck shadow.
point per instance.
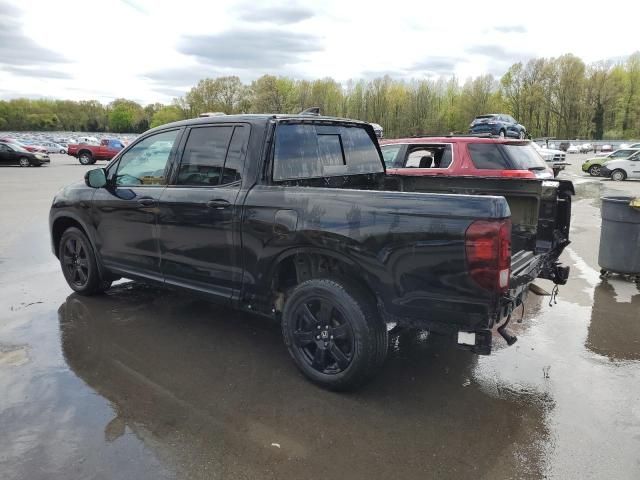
(213, 392)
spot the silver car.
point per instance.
(53, 147)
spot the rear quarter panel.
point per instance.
(407, 247)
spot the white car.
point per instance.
(586, 148)
(53, 147)
(573, 149)
(623, 168)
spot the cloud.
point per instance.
(280, 15)
(511, 29)
(182, 76)
(499, 54)
(437, 65)
(18, 49)
(250, 49)
(38, 72)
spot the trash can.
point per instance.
(620, 235)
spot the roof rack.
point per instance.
(211, 114)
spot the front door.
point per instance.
(7, 155)
(634, 165)
(126, 210)
(199, 221)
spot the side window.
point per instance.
(313, 151)
(4, 148)
(621, 154)
(430, 156)
(487, 156)
(204, 154)
(420, 158)
(235, 157)
(389, 153)
(145, 163)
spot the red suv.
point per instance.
(463, 155)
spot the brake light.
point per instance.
(517, 174)
(488, 248)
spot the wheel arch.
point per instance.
(296, 265)
(64, 220)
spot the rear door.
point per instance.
(199, 221)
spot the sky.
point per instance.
(152, 51)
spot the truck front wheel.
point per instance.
(334, 333)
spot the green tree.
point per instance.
(167, 114)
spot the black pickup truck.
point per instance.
(293, 217)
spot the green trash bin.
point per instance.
(620, 235)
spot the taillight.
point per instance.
(488, 248)
(517, 174)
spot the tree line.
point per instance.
(557, 97)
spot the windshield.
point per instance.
(17, 148)
(525, 157)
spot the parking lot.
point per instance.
(145, 383)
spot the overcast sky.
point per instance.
(154, 50)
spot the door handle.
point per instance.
(147, 201)
(218, 204)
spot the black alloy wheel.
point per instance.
(322, 336)
(79, 264)
(75, 262)
(334, 332)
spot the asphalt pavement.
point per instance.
(145, 383)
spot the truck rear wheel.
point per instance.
(334, 333)
(85, 158)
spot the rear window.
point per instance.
(311, 151)
(487, 156)
(524, 157)
(494, 156)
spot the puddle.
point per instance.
(13, 355)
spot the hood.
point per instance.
(551, 150)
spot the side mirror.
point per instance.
(96, 178)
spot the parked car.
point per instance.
(606, 148)
(88, 140)
(586, 148)
(291, 217)
(498, 124)
(463, 156)
(53, 147)
(573, 149)
(89, 154)
(623, 168)
(594, 165)
(14, 154)
(26, 146)
(564, 146)
(553, 158)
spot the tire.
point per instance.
(85, 158)
(556, 172)
(62, 152)
(78, 263)
(594, 170)
(319, 309)
(24, 162)
(522, 135)
(502, 134)
(618, 175)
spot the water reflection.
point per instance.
(214, 394)
(614, 330)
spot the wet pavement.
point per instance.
(145, 383)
